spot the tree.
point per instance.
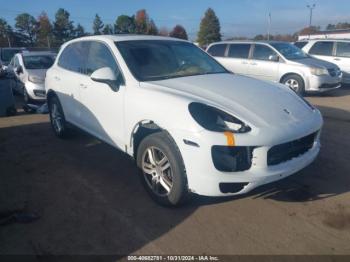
(97, 25)
(330, 27)
(44, 35)
(179, 32)
(209, 30)
(5, 33)
(27, 27)
(63, 29)
(151, 28)
(309, 30)
(141, 21)
(79, 31)
(125, 25)
(107, 30)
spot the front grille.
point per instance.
(284, 152)
(329, 85)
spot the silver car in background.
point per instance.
(279, 62)
(30, 70)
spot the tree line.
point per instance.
(29, 31)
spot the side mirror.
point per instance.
(19, 70)
(274, 58)
(107, 76)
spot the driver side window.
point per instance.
(263, 52)
(100, 56)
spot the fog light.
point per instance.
(39, 93)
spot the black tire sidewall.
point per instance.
(64, 132)
(179, 192)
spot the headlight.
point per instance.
(216, 120)
(318, 71)
(35, 79)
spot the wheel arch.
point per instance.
(292, 73)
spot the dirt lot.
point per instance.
(91, 202)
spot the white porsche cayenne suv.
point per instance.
(191, 125)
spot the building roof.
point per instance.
(330, 32)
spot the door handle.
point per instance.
(253, 63)
(244, 63)
(83, 86)
(57, 78)
(337, 59)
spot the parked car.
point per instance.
(336, 51)
(30, 69)
(7, 53)
(280, 62)
(191, 125)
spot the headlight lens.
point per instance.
(214, 119)
(35, 79)
(318, 71)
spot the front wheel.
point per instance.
(57, 119)
(295, 82)
(162, 169)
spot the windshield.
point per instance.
(159, 59)
(38, 61)
(289, 51)
(7, 54)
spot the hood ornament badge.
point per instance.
(286, 110)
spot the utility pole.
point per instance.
(311, 8)
(269, 27)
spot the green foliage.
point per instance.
(27, 26)
(79, 31)
(125, 25)
(63, 29)
(179, 32)
(44, 35)
(107, 30)
(5, 33)
(97, 25)
(209, 30)
(151, 28)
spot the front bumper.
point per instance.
(323, 83)
(204, 179)
(36, 91)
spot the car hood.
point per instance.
(259, 103)
(314, 62)
(40, 73)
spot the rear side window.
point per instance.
(322, 48)
(343, 49)
(73, 57)
(100, 56)
(300, 44)
(239, 51)
(263, 52)
(217, 50)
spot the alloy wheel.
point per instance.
(56, 118)
(293, 84)
(157, 171)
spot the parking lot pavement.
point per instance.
(91, 202)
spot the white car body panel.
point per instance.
(342, 62)
(114, 116)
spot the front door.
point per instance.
(102, 110)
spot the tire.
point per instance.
(26, 98)
(169, 184)
(295, 82)
(58, 122)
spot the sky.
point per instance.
(237, 17)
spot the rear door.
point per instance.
(262, 64)
(342, 58)
(323, 50)
(66, 77)
(237, 59)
